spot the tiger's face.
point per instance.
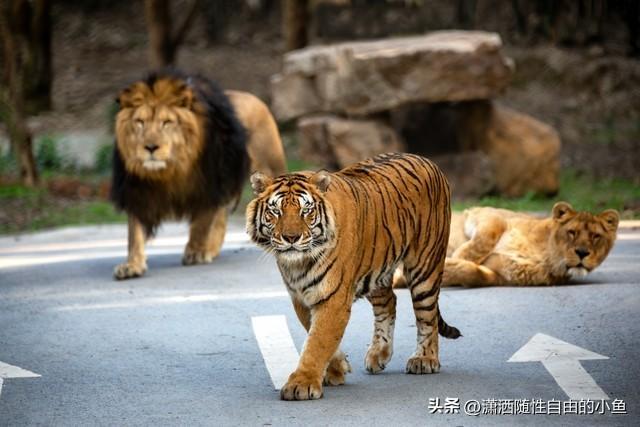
(290, 215)
(581, 240)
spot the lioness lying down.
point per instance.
(489, 246)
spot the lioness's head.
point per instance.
(581, 240)
(290, 215)
(159, 127)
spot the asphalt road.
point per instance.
(177, 347)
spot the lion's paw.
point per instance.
(128, 270)
(422, 365)
(337, 370)
(194, 257)
(377, 357)
(301, 387)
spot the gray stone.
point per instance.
(525, 153)
(334, 142)
(470, 173)
(360, 78)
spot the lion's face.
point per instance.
(581, 240)
(290, 215)
(158, 128)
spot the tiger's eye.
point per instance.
(274, 211)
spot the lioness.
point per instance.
(491, 246)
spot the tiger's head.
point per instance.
(580, 241)
(290, 215)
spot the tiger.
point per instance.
(340, 236)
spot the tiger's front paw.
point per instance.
(423, 365)
(377, 357)
(194, 257)
(128, 270)
(301, 386)
(337, 370)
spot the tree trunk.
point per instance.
(159, 24)
(22, 147)
(25, 74)
(295, 19)
(39, 70)
(466, 13)
(163, 41)
(28, 28)
(11, 113)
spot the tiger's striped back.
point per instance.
(402, 202)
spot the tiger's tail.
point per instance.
(446, 330)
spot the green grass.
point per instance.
(294, 165)
(83, 213)
(584, 193)
(31, 209)
(18, 192)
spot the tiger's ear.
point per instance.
(259, 182)
(321, 180)
(611, 219)
(562, 211)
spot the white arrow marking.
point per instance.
(10, 371)
(277, 348)
(561, 359)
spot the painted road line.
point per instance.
(277, 348)
(7, 261)
(82, 245)
(562, 360)
(10, 371)
(180, 299)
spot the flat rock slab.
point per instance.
(360, 78)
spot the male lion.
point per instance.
(184, 149)
(491, 246)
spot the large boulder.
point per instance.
(525, 153)
(360, 78)
(470, 173)
(334, 142)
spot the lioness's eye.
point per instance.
(139, 123)
(571, 234)
(166, 123)
(596, 237)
